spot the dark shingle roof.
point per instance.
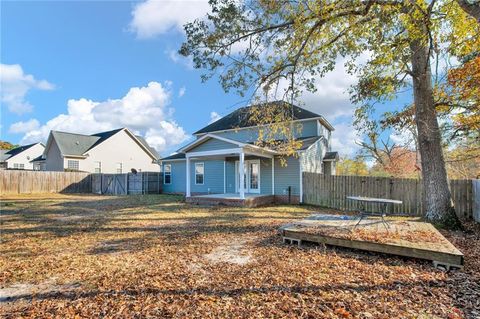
(74, 144)
(174, 156)
(17, 150)
(38, 159)
(331, 156)
(3, 155)
(239, 118)
(145, 144)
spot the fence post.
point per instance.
(476, 199)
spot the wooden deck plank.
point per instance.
(396, 241)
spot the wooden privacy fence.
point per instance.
(124, 184)
(331, 191)
(24, 182)
(27, 182)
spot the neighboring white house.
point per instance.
(21, 157)
(117, 151)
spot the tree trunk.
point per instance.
(438, 201)
(471, 8)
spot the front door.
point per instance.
(251, 171)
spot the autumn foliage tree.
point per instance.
(355, 166)
(270, 44)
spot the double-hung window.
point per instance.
(18, 166)
(167, 174)
(119, 168)
(199, 173)
(73, 165)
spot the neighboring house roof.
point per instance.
(331, 156)
(6, 154)
(38, 159)
(72, 144)
(3, 155)
(174, 157)
(144, 143)
(240, 118)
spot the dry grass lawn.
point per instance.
(156, 257)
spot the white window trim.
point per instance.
(164, 172)
(73, 161)
(237, 173)
(99, 167)
(195, 171)
(121, 168)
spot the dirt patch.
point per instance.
(234, 253)
(69, 218)
(26, 291)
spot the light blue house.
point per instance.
(209, 169)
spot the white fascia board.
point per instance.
(224, 151)
(205, 137)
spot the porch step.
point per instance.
(235, 202)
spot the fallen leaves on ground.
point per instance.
(151, 256)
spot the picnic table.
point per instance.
(383, 204)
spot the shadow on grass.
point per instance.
(231, 292)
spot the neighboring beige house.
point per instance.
(117, 151)
(21, 157)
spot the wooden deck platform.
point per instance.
(404, 238)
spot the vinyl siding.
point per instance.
(213, 145)
(213, 179)
(246, 135)
(178, 177)
(311, 158)
(288, 175)
(54, 161)
(230, 177)
(266, 176)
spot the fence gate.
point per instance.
(135, 183)
(110, 184)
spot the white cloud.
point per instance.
(145, 110)
(343, 139)
(24, 127)
(214, 116)
(15, 85)
(182, 91)
(153, 17)
(331, 98)
(178, 59)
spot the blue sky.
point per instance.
(91, 66)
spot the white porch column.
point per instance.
(273, 175)
(187, 167)
(301, 181)
(241, 170)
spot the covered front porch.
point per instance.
(248, 172)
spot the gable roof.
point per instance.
(145, 144)
(174, 157)
(240, 119)
(73, 144)
(6, 154)
(331, 156)
(3, 155)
